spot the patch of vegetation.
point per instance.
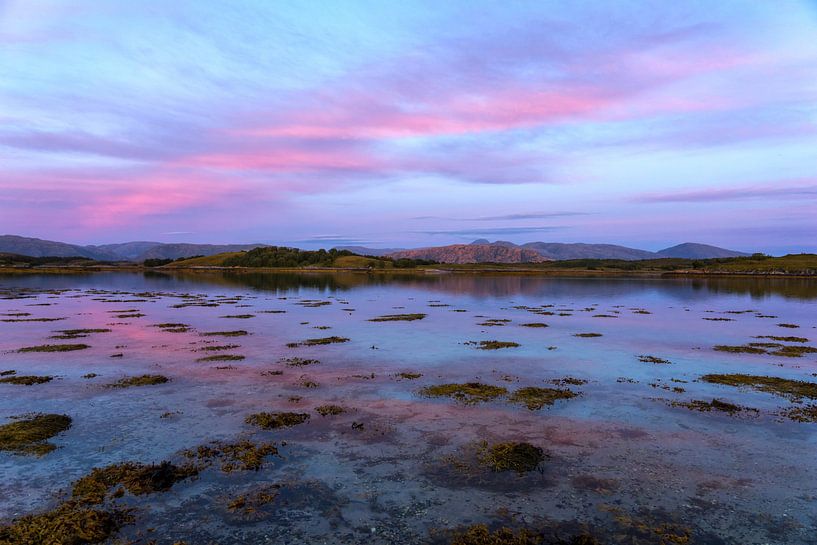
(243, 455)
(319, 341)
(807, 413)
(282, 257)
(250, 504)
(398, 318)
(410, 376)
(83, 331)
(652, 359)
(789, 388)
(54, 348)
(783, 339)
(271, 421)
(330, 410)
(299, 362)
(217, 347)
(794, 351)
(238, 316)
(238, 333)
(468, 393)
(26, 380)
(480, 534)
(587, 335)
(535, 398)
(535, 324)
(141, 380)
(511, 456)
(789, 326)
(70, 523)
(13, 320)
(714, 405)
(137, 478)
(573, 381)
(495, 345)
(28, 434)
(739, 349)
(493, 323)
(788, 351)
(221, 357)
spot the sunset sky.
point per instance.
(410, 123)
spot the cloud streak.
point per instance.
(784, 192)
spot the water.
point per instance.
(623, 461)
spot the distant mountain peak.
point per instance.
(695, 250)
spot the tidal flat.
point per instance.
(688, 419)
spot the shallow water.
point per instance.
(620, 454)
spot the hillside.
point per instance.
(363, 250)
(472, 253)
(35, 247)
(561, 251)
(127, 250)
(691, 250)
(175, 251)
(283, 257)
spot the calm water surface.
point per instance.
(397, 467)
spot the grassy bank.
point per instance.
(273, 260)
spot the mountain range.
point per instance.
(126, 251)
(479, 251)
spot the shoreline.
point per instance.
(436, 270)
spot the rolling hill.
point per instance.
(691, 250)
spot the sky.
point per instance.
(412, 123)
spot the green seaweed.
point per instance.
(28, 434)
(329, 410)
(653, 359)
(807, 413)
(221, 357)
(739, 349)
(587, 335)
(783, 339)
(511, 456)
(242, 455)
(141, 380)
(409, 376)
(299, 362)
(137, 478)
(319, 341)
(83, 331)
(714, 405)
(793, 351)
(271, 421)
(398, 317)
(468, 393)
(26, 380)
(238, 333)
(535, 398)
(789, 388)
(496, 345)
(217, 347)
(54, 348)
